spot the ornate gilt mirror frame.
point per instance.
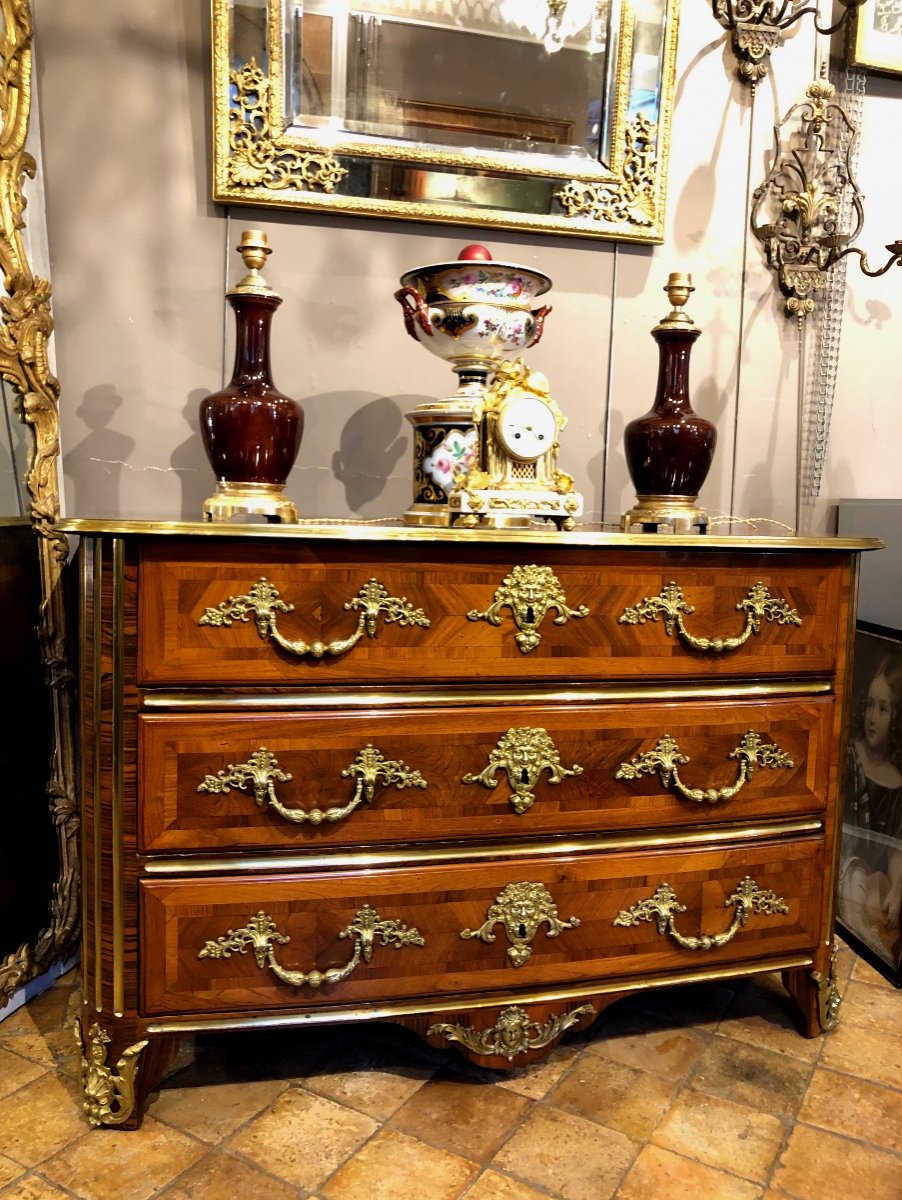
(25, 329)
(610, 185)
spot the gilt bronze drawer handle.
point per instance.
(666, 760)
(523, 754)
(521, 908)
(529, 592)
(671, 605)
(262, 772)
(264, 601)
(661, 907)
(261, 935)
(513, 1033)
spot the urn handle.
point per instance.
(671, 605)
(264, 602)
(261, 773)
(666, 759)
(662, 905)
(261, 935)
(416, 312)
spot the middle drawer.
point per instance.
(311, 779)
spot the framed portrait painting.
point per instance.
(869, 903)
(876, 38)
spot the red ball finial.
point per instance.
(474, 253)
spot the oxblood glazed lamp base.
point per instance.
(669, 449)
(251, 430)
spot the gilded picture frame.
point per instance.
(262, 157)
(26, 326)
(875, 41)
(869, 899)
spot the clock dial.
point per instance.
(526, 427)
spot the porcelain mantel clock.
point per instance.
(486, 456)
(516, 479)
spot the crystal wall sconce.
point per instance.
(798, 210)
(757, 26)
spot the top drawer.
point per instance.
(291, 614)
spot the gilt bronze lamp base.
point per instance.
(250, 499)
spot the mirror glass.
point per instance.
(548, 115)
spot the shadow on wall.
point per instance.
(190, 463)
(369, 448)
(92, 468)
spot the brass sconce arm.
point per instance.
(757, 26)
(772, 16)
(894, 260)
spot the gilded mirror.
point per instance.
(39, 876)
(545, 116)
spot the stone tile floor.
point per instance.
(698, 1093)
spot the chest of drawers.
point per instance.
(478, 787)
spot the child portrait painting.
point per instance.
(870, 875)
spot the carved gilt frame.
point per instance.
(259, 160)
(25, 329)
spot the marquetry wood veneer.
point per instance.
(478, 787)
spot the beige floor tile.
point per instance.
(373, 1081)
(211, 1113)
(107, 1162)
(761, 1016)
(661, 1175)
(303, 1138)
(32, 1187)
(822, 1165)
(458, 1114)
(722, 1134)
(9, 1170)
(863, 972)
(16, 1071)
(222, 1177)
(39, 1119)
(868, 1053)
(615, 1095)
(872, 1007)
(567, 1155)
(772, 1083)
(491, 1185)
(394, 1166)
(845, 960)
(671, 1053)
(536, 1080)
(854, 1107)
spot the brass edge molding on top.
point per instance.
(587, 536)
(444, 853)
(472, 697)
(325, 1014)
(26, 326)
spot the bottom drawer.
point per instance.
(331, 939)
